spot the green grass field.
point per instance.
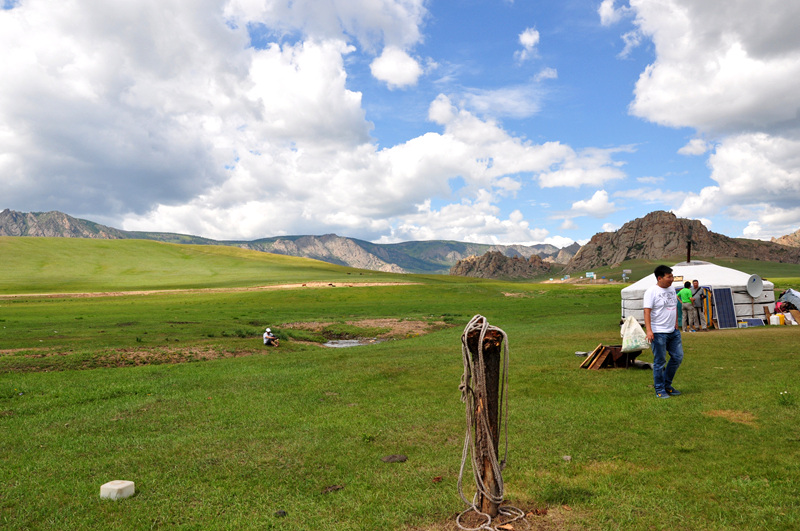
(175, 392)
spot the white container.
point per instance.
(774, 319)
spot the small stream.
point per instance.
(344, 343)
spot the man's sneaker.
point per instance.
(662, 394)
(671, 391)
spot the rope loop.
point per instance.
(471, 385)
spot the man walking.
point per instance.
(663, 331)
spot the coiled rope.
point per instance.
(472, 385)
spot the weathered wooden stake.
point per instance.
(492, 353)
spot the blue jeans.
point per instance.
(663, 371)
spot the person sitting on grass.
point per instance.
(269, 339)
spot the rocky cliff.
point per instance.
(328, 248)
(495, 264)
(661, 234)
(53, 225)
(790, 240)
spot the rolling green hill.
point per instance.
(59, 265)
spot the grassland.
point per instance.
(173, 390)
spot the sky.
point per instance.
(489, 121)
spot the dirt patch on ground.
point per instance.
(313, 285)
(739, 417)
(8, 351)
(557, 518)
(396, 328)
(140, 356)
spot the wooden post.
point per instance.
(492, 354)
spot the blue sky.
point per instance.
(493, 121)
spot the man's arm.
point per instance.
(647, 326)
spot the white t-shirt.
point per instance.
(663, 304)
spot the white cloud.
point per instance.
(610, 14)
(720, 71)
(696, 146)
(609, 227)
(396, 68)
(559, 241)
(391, 22)
(592, 167)
(597, 206)
(546, 73)
(757, 175)
(568, 224)
(515, 102)
(470, 221)
(529, 39)
(632, 40)
(731, 75)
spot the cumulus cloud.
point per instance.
(391, 22)
(609, 227)
(758, 175)
(731, 76)
(597, 206)
(396, 68)
(568, 224)
(529, 39)
(696, 146)
(611, 14)
(592, 166)
(720, 73)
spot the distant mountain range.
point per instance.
(655, 236)
(436, 256)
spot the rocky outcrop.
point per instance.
(328, 248)
(495, 264)
(53, 225)
(660, 235)
(790, 240)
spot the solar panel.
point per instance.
(723, 302)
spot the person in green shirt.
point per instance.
(687, 308)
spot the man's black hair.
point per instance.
(687, 284)
(662, 271)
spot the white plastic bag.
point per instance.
(633, 337)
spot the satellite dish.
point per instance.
(755, 286)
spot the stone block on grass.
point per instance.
(117, 489)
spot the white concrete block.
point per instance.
(117, 489)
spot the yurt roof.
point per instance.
(706, 273)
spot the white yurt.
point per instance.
(750, 293)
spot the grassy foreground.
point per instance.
(236, 433)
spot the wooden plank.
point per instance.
(600, 359)
(586, 362)
(796, 315)
(766, 312)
